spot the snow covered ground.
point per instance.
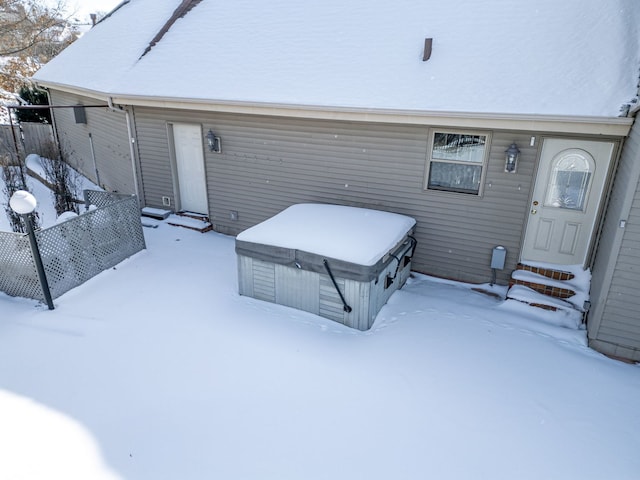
(45, 208)
(158, 369)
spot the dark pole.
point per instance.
(38, 260)
(13, 133)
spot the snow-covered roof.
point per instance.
(575, 57)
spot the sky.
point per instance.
(83, 8)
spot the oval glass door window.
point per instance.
(570, 179)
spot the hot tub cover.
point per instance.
(359, 236)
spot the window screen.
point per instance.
(457, 161)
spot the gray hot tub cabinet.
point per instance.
(303, 280)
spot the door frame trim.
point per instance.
(604, 198)
(175, 181)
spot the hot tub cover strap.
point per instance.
(347, 308)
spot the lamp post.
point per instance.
(23, 203)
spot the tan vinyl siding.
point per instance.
(614, 323)
(622, 310)
(156, 173)
(108, 131)
(269, 163)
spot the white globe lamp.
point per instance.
(22, 202)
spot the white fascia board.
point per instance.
(609, 126)
(82, 92)
(562, 124)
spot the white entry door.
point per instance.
(192, 183)
(566, 200)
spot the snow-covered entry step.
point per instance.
(156, 213)
(190, 223)
(197, 216)
(564, 316)
(542, 279)
(528, 295)
(579, 286)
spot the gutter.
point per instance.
(563, 124)
(611, 126)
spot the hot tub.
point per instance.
(342, 263)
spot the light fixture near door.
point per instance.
(512, 154)
(214, 142)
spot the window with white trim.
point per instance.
(457, 161)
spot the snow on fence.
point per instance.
(74, 250)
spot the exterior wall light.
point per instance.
(214, 143)
(23, 203)
(512, 154)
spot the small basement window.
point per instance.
(456, 161)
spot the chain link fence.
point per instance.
(75, 250)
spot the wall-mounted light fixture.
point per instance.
(214, 142)
(512, 154)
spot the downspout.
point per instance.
(93, 157)
(131, 138)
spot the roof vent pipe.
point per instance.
(428, 42)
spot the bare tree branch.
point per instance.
(32, 33)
